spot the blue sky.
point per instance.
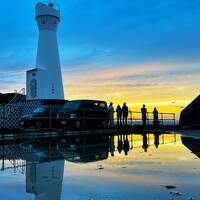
(109, 43)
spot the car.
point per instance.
(83, 114)
(44, 116)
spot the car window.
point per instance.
(94, 105)
(103, 105)
(89, 105)
(71, 105)
(40, 110)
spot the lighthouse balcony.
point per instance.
(47, 9)
(51, 4)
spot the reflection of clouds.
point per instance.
(162, 166)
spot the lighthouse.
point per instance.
(45, 81)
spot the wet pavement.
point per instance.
(137, 166)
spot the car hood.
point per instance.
(66, 112)
(28, 116)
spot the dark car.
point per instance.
(83, 114)
(45, 116)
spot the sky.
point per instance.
(134, 51)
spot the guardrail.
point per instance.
(163, 118)
(84, 116)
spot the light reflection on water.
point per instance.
(102, 167)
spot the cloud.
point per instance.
(135, 50)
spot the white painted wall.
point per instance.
(49, 77)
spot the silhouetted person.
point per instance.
(145, 143)
(125, 113)
(119, 115)
(155, 117)
(156, 139)
(111, 114)
(144, 115)
(120, 144)
(126, 145)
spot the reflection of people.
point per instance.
(125, 113)
(156, 139)
(119, 115)
(155, 117)
(111, 114)
(120, 144)
(144, 115)
(145, 143)
(112, 146)
(126, 145)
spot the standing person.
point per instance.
(125, 113)
(155, 117)
(144, 115)
(111, 114)
(119, 115)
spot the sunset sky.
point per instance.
(138, 51)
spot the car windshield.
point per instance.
(94, 105)
(40, 110)
(72, 105)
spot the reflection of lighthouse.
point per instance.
(45, 81)
(45, 179)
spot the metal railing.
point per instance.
(18, 97)
(50, 4)
(16, 112)
(135, 117)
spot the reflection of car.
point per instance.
(83, 113)
(44, 116)
(84, 149)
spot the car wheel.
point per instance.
(38, 125)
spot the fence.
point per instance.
(135, 117)
(10, 116)
(11, 113)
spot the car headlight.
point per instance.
(73, 116)
(63, 122)
(22, 123)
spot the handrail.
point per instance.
(53, 5)
(17, 95)
(81, 114)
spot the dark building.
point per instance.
(6, 98)
(191, 114)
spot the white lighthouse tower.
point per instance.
(45, 81)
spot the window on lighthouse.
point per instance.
(33, 88)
